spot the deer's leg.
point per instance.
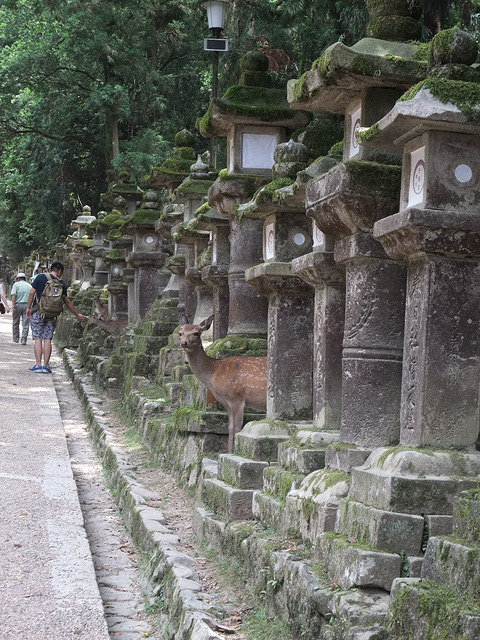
(235, 422)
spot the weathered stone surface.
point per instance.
(268, 511)
(303, 460)
(361, 607)
(332, 84)
(260, 440)
(439, 525)
(467, 517)
(410, 481)
(382, 530)
(418, 606)
(241, 473)
(453, 565)
(345, 458)
(351, 566)
(226, 502)
(312, 508)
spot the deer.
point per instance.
(236, 382)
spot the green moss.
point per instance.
(374, 176)
(298, 91)
(175, 166)
(368, 134)
(464, 95)
(84, 243)
(335, 477)
(237, 346)
(342, 446)
(441, 610)
(108, 221)
(144, 218)
(422, 54)
(203, 124)
(114, 255)
(196, 187)
(336, 151)
(261, 103)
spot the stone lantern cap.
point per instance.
(175, 169)
(448, 99)
(434, 104)
(252, 101)
(342, 73)
(208, 218)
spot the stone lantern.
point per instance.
(146, 258)
(98, 249)
(363, 82)
(437, 233)
(174, 170)
(255, 119)
(286, 235)
(82, 261)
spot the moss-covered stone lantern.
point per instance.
(146, 258)
(437, 233)
(174, 170)
(362, 83)
(255, 119)
(286, 235)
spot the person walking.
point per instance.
(3, 299)
(20, 290)
(43, 320)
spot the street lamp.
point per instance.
(216, 22)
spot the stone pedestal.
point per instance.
(345, 202)
(247, 310)
(328, 279)
(290, 336)
(441, 372)
(147, 282)
(372, 344)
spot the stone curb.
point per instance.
(171, 572)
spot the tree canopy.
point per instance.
(93, 88)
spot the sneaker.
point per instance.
(23, 342)
(37, 368)
(46, 369)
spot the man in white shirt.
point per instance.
(20, 293)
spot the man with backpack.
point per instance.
(45, 303)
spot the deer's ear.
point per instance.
(203, 326)
(183, 320)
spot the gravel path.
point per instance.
(63, 547)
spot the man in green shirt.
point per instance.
(20, 292)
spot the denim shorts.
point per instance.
(42, 329)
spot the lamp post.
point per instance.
(215, 44)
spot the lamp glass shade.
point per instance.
(215, 13)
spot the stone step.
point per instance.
(295, 590)
(150, 345)
(419, 608)
(311, 509)
(466, 512)
(169, 358)
(240, 472)
(382, 530)
(452, 564)
(306, 451)
(259, 439)
(300, 459)
(189, 418)
(344, 456)
(268, 511)
(349, 565)
(278, 482)
(226, 502)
